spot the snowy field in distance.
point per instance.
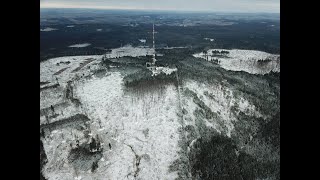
(209, 39)
(143, 40)
(251, 61)
(128, 50)
(47, 29)
(80, 45)
(178, 47)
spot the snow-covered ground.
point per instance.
(47, 29)
(70, 26)
(219, 99)
(143, 40)
(50, 68)
(57, 72)
(251, 61)
(178, 47)
(166, 70)
(80, 45)
(143, 126)
(128, 50)
(209, 39)
(147, 123)
(138, 128)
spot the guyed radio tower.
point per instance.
(153, 62)
(154, 47)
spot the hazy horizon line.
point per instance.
(171, 10)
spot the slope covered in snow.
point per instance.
(138, 132)
(146, 131)
(216, 100)
(251, 61)
(144, 125)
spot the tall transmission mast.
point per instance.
(151, 65)
(153, 37)
(154, 46)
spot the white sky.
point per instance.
(272, 6)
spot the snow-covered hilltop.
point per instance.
(138, 134)
(94, 126)
(251, 61)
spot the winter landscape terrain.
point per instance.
(208, 109)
